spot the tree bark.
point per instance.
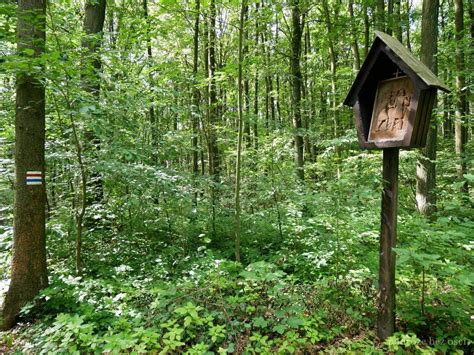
(151, 109)
(245, 49)
(426, 165)
(354, 44)
(333, 67)
(390, 21)
(408, 20)
(460, 128)
(94, 17)
(196, 94)
(380, 16)
(256, 86)
(296, 80)
(243, 15)
(366, 30)
(214, 166)
(397, 21)
(28, 273)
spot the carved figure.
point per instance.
(384, 119)
(398, 110)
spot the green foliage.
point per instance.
(158, 248)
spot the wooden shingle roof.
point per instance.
(401, 56)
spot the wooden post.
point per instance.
(388, 237)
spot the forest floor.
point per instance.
(160, 276)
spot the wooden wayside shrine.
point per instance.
(392, 97)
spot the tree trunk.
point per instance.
(296, 80)
(214, 166)
(354, 44)
(151, 110)
(390, 21)
(426, 166)
(255, 102)
(247, 137)
(333, 63)
(380, 15)
(94, 16)
(460, 128)
(196, 94)
(408, 21)
(366, 30)
(28, 273)
(398, 21)
(243, 15)
(306, 95)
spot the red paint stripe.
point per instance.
(30, 175)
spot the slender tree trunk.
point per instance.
(256, 86)
(460, 127)
(390, 21)
(28, 272)
(112, 28)
(196, 94)
(151, 109)
(310, 105)
(296, 81)
(471, 17)
(408, 20)
(380, 15)
(94, 17)
(305, 95)
(398, 20)
(426, 166)
(366, 30)
(247, 136)
(83, 195)
(214, 166)
(243, 15)
(333, 67)
(214, 163)
(354, 44)
(267, 88)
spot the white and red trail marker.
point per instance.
(34, 178)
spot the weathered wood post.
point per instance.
(388, 239)
(392, 96)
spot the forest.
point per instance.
(183, 176)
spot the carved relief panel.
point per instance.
(393, 102)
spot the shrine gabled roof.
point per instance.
(401, 56)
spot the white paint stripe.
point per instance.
(34, 182)
(34, 172)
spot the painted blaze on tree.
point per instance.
(392, 96)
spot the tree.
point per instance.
(296, 82)
(151, 110)
(426, 165)
(380, 15)
(196, 93)
(94, 17)
(460, 129)
(214, 162)
(29, 273)
(354, 43)
(243, 15)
